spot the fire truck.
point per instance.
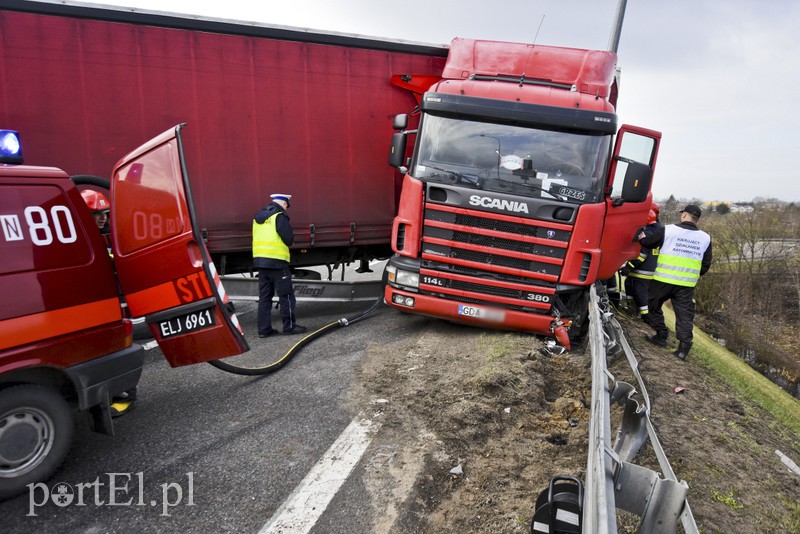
(66, 343)
(520, 192)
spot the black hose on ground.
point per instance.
(283, 360)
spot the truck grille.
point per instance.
(487, 258)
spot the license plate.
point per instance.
(481, 313)
(183, 324)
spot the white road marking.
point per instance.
(300, 512)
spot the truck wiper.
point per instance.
(470, 179)
(458, 177)
(529, 185)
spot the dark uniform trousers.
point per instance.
(275, 282)
(682, 298)
(639, 290)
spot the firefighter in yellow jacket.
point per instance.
(272, 237)
(684, 257)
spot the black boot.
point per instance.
(683, 350)
(658, 339)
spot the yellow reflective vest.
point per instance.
(681, 256)
(267, 243)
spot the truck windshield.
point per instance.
(529, 162)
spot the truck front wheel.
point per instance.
(36, 427)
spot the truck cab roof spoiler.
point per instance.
(589, 71)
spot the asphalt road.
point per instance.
(207, 451)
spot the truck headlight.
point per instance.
(407, 278)
(403, 300)
(402, 278)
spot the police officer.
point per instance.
(684, 257)
(272, 237)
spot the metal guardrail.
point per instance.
(612, 481)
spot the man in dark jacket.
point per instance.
(639, 271)
(272, 237)
(685, 255)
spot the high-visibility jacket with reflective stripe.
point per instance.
(266, 241)
(681, 256)
(644, 266)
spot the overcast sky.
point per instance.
(719, 78)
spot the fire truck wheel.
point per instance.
(36, 426)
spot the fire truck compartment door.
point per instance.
(630, 179)
(165, 271)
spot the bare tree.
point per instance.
(753, 289)
(793, 266)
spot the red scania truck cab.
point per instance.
(520, 192)
(66, 344)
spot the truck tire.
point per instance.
(36, 427)
(580, 327)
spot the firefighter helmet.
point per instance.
(652, 217)
(95, 200)
(656, 208)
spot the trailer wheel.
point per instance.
(36, 427)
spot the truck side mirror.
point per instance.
(397, 152)
(400, 121)
(638, 178)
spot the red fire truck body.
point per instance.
(66, 343)
(516, 198)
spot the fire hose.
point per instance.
(297, 347)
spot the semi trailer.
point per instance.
(268, 109)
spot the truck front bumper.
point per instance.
(480, 315)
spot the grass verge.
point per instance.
(749, 382)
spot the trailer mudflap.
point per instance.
(164, 269)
